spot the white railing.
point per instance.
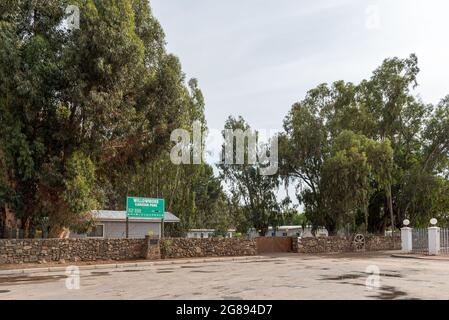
(444, 241)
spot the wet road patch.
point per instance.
(27, 279)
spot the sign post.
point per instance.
(127, 227)
(145, 208)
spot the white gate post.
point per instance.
(434, 241)
(434, 238)
(406, 240)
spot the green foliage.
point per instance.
(86, 115)
(166, 247)
(80, 184)
(373, 150)
(250, 189)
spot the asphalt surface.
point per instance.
(289, 276)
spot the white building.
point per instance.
(208, 233)
(112, 224)
(289, 231)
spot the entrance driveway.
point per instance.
(286, 276)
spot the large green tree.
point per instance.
(85, 112)
(255, 191)
(400, 170)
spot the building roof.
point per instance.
(112, 215)
(209, 230)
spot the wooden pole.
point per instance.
(127, 227)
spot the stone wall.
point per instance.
(344, 244)
(48, 250)
(379, 243)
(211, 247)
(73, 250)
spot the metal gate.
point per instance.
(444, 241)
(273, 244)
(420, 241)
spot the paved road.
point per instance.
(276, 277)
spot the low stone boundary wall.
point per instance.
(47, 250)
(211, 247)
(73, 250)
(344, 244)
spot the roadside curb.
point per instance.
(433, 258)
(128, 265)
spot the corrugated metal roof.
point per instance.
(121, 216)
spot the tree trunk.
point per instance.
(54, 232)
(390, 207)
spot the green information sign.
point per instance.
(145, 208)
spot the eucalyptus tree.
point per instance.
(405, 152)
(83, 109)
(255, 191)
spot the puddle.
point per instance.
(260, 261)
(360, 275)
(389, 293)
(100, 273)
(191, 267)
(203, 271)
(391, 275)
(385, 292)
(164, 271)
(295, 287)
(5, 291)
(232, 298)
(290, 286)
(218, 287)
(344, 277)
(131, 271)
(27, 279)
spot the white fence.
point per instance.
(430, 241)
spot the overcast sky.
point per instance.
(255, 58)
